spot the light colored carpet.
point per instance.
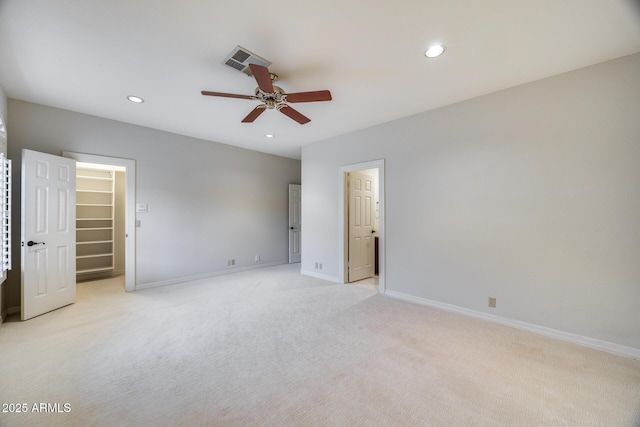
(270, 347)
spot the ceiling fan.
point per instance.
(273, 97)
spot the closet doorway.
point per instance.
(100, 213)
(376, 168)
(105, 210)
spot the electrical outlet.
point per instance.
(233, 262)
(316, 265)
(320, 266)
(257, 258)
(492, 302)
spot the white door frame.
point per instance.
(130, 208)
(343, 222)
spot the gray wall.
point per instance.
(530, 195)
(207, 202)
(3, 105)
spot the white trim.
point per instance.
(320, 276)
(5, 213)
(130, 208)
(181, 280)
(594, 343)
(373, 164)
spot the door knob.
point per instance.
(32, 243)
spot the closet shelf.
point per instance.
(95, 201)
(97, 178)
(93, 228)
(94, 270)
(93, 191)
(94, 242)
(93, 256)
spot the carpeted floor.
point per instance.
(270, 347)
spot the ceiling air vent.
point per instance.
(240, 58)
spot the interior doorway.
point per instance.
(98, 226)
(100, 221)
(362, 233)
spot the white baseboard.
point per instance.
(320, 276)
(206, 275)
(594, 343)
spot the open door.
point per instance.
(361, 226)
(48, 262)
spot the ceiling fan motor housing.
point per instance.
(272, 100)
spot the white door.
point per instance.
(48, 259)
(361, 232)
(295, 222)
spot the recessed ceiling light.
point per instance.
(435, 50)
(135, 99)
(269, 135)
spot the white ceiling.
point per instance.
(87, 56)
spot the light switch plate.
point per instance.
(141, 208)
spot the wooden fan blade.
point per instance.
(318, 95)
(295, 115)
(263, 77)
(254, 114)
(226, 95)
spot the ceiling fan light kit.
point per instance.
(271, 97)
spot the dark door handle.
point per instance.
(373, 231)
(32, 243)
